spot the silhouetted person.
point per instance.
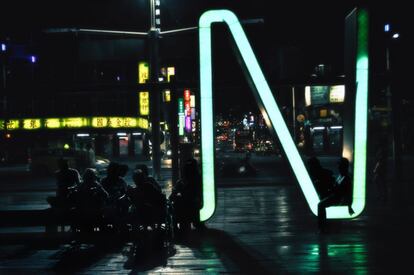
(123, 170)
(113, 183)
(187, 195)
(66, 178)
(322, 178)
(340, 195)
(119, 203)
(144, 169)
(67, 181)
(92, 198)
(148, 200)
(92, 189)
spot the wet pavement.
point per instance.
(257, 229)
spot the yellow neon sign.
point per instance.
(143, 72)
(52, 123)
(167, 96)
(99, 122)
(75, 123)
(31, 124)
(144, 103)
(12, 124)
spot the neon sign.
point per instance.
(144, 103)
(273, 116)
(75, 122)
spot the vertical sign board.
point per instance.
(144, 103)
(273, 116)
(187, 99)
(143, 72)
(181, 117)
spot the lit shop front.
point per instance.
(108, 136)
(324, 106)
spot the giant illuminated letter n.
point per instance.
(273, 116)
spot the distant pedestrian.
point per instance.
(90, 156)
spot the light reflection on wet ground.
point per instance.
(256, 229)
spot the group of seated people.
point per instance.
(92, 199)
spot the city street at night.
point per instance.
(206, 137)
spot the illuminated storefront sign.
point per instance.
(144, 103)
(181, 124)
(273, 116)
(99, 122)
(167, 96)
(181, 117)
(75, 122)
(188, 124)
(122, 122)
(12, 124)
(143, 72)
(187, 95)
(180, 106)
(31, 124)
(187, 108)
(321, 95)
(170, 72)
(52, 123)
(337, 94)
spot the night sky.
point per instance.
(314, 30)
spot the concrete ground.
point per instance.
(257, 229)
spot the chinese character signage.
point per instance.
(75, 122)
(143, 72)
(144, 103)
(31, 124)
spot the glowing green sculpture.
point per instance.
(272, 114)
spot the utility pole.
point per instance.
(4, 75)
(155, 100)
(153, 35)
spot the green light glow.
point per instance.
(206, 108)
(361, 114)
(266, 96)
(273, 115)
